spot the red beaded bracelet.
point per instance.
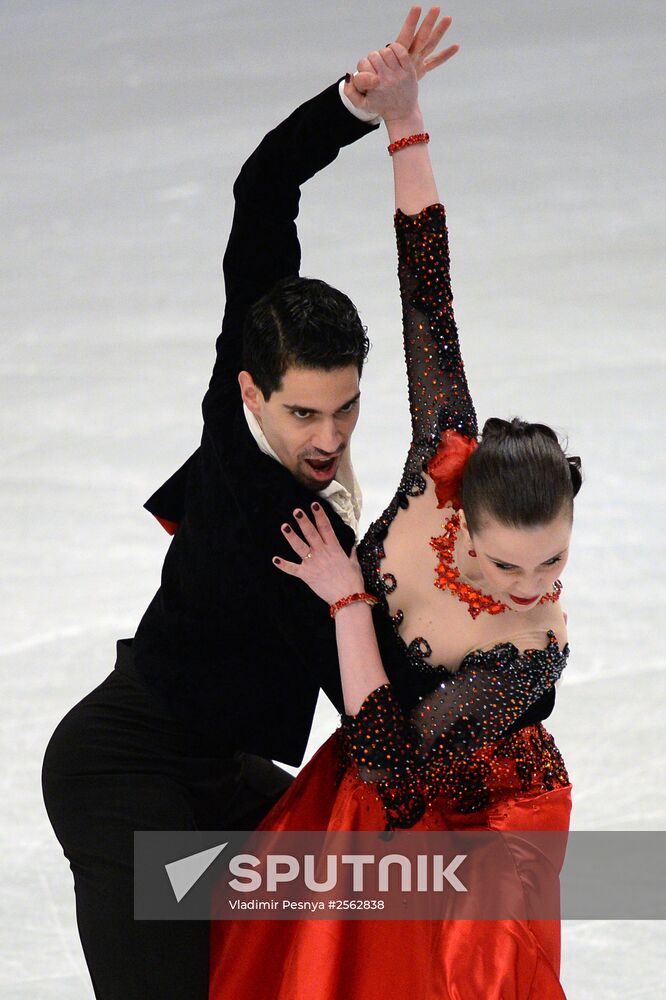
(344, 601)
(409, 140)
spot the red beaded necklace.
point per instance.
(448, 576)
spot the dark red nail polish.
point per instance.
(276, 561)
(299, 513)
(287, 529)
(315, 506)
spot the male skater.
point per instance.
(225, 667)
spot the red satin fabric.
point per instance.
(383, 959)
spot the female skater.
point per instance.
(458, 577)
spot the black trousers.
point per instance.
(118, 762)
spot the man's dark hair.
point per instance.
(303, 323)
(519, 475)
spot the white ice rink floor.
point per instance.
(124, 126)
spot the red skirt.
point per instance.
(387, 959)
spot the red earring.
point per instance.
(472, 552)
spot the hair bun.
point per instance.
(575, 472)
(516, 430)
(495, 427)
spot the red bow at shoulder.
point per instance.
(447, 465)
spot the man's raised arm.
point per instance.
(263, 246)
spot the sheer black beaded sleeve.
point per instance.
(439, 397)
(414, 757)
(439, 400)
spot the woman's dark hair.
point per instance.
(519, 475)
(303, 323)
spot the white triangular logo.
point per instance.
(185, 872)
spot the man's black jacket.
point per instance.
(236, 648)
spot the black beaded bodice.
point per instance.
(451, 743)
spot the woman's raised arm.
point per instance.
(387, 83)
(439, 398)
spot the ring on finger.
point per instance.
(308, 555)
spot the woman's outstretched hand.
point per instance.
(387, 80)
(324, 565)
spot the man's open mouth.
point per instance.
(322, 468)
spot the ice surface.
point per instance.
(124, 126)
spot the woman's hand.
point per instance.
(324, 566)
(389, 94)
(333, 575)
(421, 43)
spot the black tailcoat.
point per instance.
(238, 649)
